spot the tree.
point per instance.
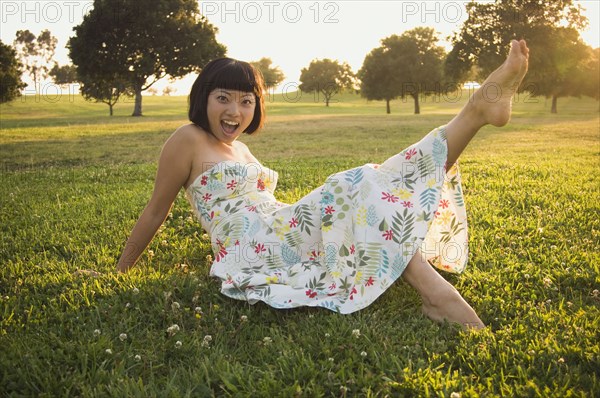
(141, 41)
(272, 75)
(35, 53)
(63, 75)
(107, 91)
(550, 29)
(406, 65)
(378, 77)
(10, 74)
(168, 90)
(326, 77)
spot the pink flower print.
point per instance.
(251, 208)
(352, 249)
(221, 254)
(389, 197)
(353, 292)
(332, 286)
(370, 281)
(232, 184)
(313, 255)
(410, 153)
(388, 235)
(311, 293)
(329, 210)
(259, 248)
(204, 180)
(293, 223)
(207, 197)
(444, 203)
(260, 184)
(407, 204)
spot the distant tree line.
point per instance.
(123, 47)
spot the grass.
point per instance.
(73, 182)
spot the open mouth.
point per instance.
(228, 126)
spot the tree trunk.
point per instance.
(387, 106)
(137, 110)
(554, 103)
(417, 106)
(111, 109)
(326, 100)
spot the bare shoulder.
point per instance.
(186, 135)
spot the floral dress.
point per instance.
(343, 244)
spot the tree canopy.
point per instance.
(138, 42)
(550, 29)
(406, 65)
(35, 53)
(272, 75)
(326, 77)
(10, 74)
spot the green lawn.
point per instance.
(74, 180)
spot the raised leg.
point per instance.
(490, 104)
(441, 301)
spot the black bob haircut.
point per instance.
(229, 74)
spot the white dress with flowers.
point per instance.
(343, 244)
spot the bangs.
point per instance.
(236, 76)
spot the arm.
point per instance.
(174, 167)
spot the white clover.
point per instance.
(561, 360)
(136, 290)
(175, 306)
(138, 357)
(123, 336)
(327, 335)
(209, 258)
(204, 236)
(108, 351)
(151, 253)
(595, 293)
(97, 332)
(244, 318)
(267, 341)
(164, 242)
(330, 359)
(198, 310)
(127, 305)
(173, 329)
(363, 354)
(356, 333)
(206, 341)
(178, 344)
(547, 282)
(455, 395)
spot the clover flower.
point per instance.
(356, 333)
(178, 344)
(363, 354)
(173, 329)
(267, 341)
(97, 332)
(175, 306)
(123, 336)
(138, 357)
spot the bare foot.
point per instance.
(451, 307)
(493, 100)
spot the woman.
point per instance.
(343, 244)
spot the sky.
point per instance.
(291, 33)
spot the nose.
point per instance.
(233, 108)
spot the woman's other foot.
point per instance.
(450, 306)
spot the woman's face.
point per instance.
(230, 112)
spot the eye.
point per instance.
(221, 98)
(247, 101)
